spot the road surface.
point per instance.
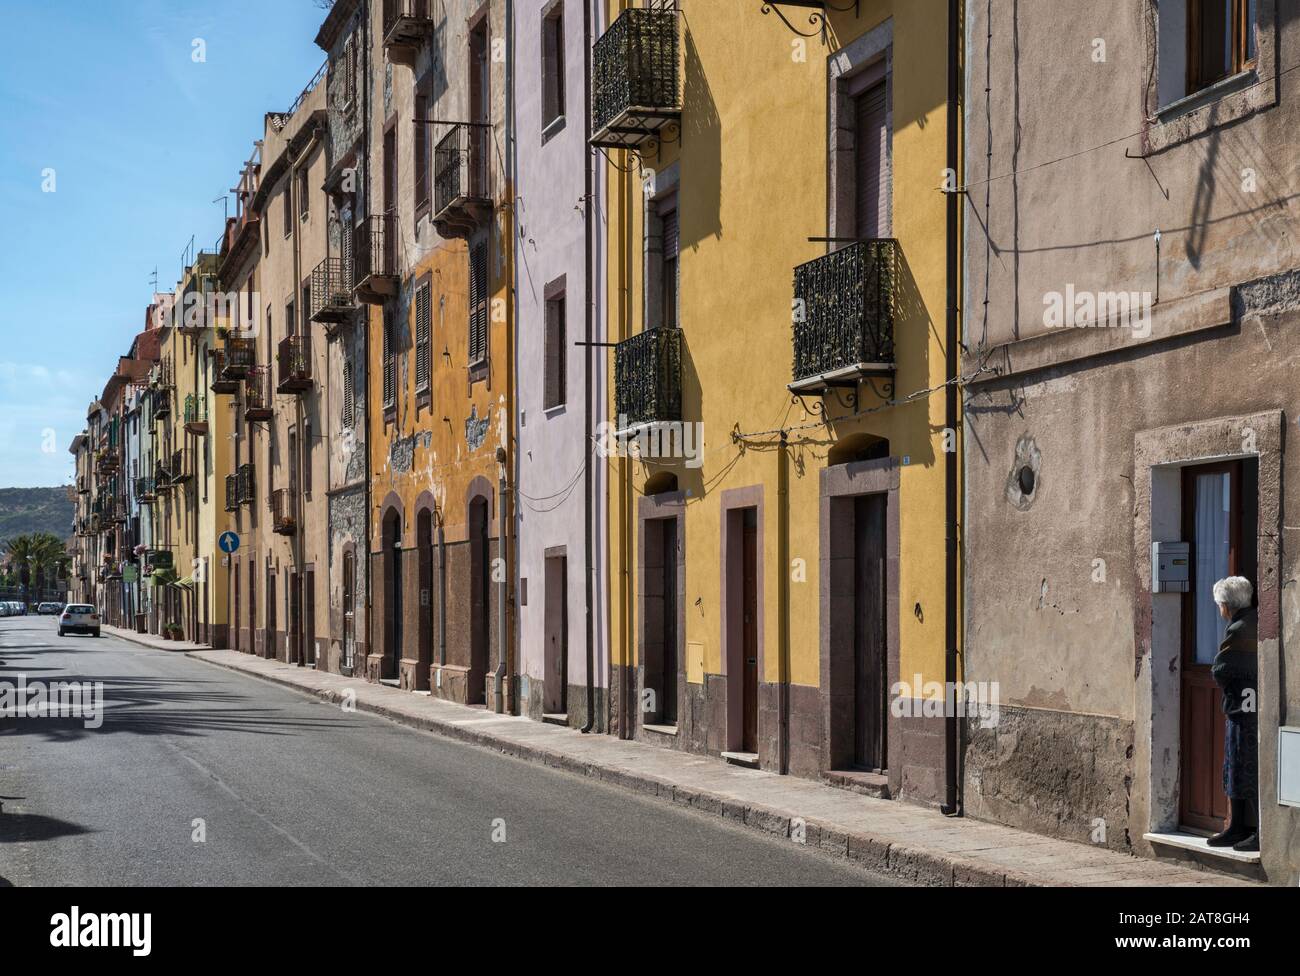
(203, 776)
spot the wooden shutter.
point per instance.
(423, 326)
(478, 303)
(555, 345)
(347, 235)
(871, 164)
(349, 402)
(390, 379)
(669, 267)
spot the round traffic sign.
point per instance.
(228, 542)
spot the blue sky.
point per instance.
(141, 138)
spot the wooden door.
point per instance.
(749, 581)
(869, 633)
(668, 713)
(1212, 523)
(309, 619)
(557, 635)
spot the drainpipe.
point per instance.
(365, 334)
(783, 604)
(512, 460)
(952, 798)
(442, 599)
(588, 295)
(503, 586)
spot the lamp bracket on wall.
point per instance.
(817, 10)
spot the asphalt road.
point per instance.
(293, 791)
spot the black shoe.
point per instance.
(1230, 836)
(1250, 844)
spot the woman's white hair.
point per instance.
(1234, 592)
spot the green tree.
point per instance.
(36, 558)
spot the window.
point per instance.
(290, 319)
(304, 193)
(668, 277)
(1202, 42)
(423, 338)
(555, 350)
(478, 302)
(553, 65)
(390, 362)
(306, 300)
(421, 144)
(349, 401)
(348, 87)
(870, 168)
(308, 444)
(288, 207)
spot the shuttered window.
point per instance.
(870, 164)
(347, 236)
(555, 347)
(390, 363)
(349, 401)
(423, 328)
(670, 249)
(478, 302)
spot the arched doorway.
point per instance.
(424, 635)
(480, 600)
(392, 565)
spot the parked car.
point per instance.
(79, 618)
(49, 609)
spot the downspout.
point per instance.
(952, 800)
(587, 209)
(503, 586)
(512, 168)
(783, 604)
(442, 599)
(365, 336)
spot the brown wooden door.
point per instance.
(293, 653)
(557, 635)
(309, 618)
(668, 713)
(749, 728)
(869, 656)
(1212, 523)
(480, 601)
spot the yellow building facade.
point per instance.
(777, 281)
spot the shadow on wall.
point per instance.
(702, 132)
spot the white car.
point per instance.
(79, 618)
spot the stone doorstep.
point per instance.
(899, 850)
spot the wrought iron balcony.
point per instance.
(232, 362)
(293, 364)
(162, 475)
(196, 413)
(844, 316)
(407, 25)
(635, 86)
(374, 255)
(257, 395)
(83, 485)
(182, 466)
(462, 197)
(232, 492)
(648, 378)
(144, 489)
(331, 291)
(244, 485)
(282, 520)
(162, 402)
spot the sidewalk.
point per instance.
(906, 842)
(152, 640)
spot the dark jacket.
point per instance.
(1234, 667)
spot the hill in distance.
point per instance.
(25, 510)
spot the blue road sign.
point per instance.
(228, 542)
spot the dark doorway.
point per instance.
(480, 601)
(660, 653)
(293, 646)
(869, 633)
(424, 630)
(309, 618)
(238, 639)
(349, 613)
(1219, 520)
(556, 653)
(749, 631)
(392, 562)
(270, 646)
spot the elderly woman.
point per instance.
(1234, 669)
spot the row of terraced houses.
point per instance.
(686, 371)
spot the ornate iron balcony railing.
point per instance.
(648, 377)
(293, 364)
(244, 487)
(232, 492)
(844, 313)
(461, 189)
(282, 520)
(257, 395)
(635, 87)
(331, 291)
(374, 250)
(196, 413)
(144, 489)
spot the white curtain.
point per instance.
(1213, 505)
